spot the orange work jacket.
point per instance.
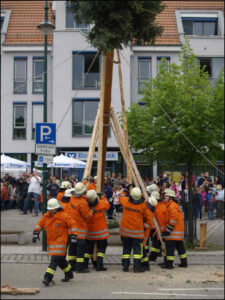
(161, 215)
(148, 227)
(89, 185)
(65, 205)
(56, 227)
(133, 219)
(60, 195)
(175, 218)
(79, 211)
(97, 224)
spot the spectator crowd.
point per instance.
(25, 192)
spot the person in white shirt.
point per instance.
(220, 201)
(34, 191)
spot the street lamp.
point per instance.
(45, 28)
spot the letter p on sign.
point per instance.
(45, 131)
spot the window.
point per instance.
(144, 71)
(20, 75)
(19, 121)
(86, 70)
(2, 21)
(37, 115)
(70, 21)
(38, 75)
(206, 61)
(200, 25)
(84, 114)
(159, 61)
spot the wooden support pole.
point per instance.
(122, 149)
(87, 171)
(137, 174)
(107, 107)
(6, 289)
(203, 236)
(128, 163)
(100, 127)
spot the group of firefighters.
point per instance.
(75, 225)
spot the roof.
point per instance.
(167, 17)
(26, 15)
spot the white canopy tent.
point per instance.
(13, 166)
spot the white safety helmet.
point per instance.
(152, 201)
(72, 190)
(136, 193)
(91, 195)
(79, 189)
(170, 193)
(68, 193)
(53, 204)
(152, 187)
(156, 195)
(95, 178)
(65, 185)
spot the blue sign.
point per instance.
(45, 133)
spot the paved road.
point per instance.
(195, 282)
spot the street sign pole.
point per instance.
(44, 204)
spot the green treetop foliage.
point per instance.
(117, 23)
(182, 116)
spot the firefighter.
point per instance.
(161, 216)
(174, 233)
(98, 231)
(135, 214)
(90, 183)
(80, 212)
(65, 201)
(147, 228)
(64, 185)
(56, 223)
(151, 188)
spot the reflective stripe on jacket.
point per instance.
(79, 211)
(133, 218)
(97, 224)
(175, 218)
(56, 226)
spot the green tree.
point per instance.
(117, 23)
(182, 119)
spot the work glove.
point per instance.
(72, 239)
(35, 236)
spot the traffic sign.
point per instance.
(45, 133)
(45, 149)
(45, 159)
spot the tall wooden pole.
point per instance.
(129, 176)
(106, 111)
(100, 127)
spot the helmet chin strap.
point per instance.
(95, 202)
(136, 201)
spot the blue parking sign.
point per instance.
(45, 133)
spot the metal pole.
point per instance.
(44, 191)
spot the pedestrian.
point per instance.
(57, 223)
(210, 203)
(34, 191)
(80, 212)
(4, 195)
(21, 191)
(204, 206)
(135, 214)
(53, 188)
(116, 193)
(108, 193)
(197, 203)
(220, 201)
(174, 233)
(98, 231)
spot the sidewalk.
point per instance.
(34, 254)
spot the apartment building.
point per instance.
(74, 72)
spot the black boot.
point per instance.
(99, 266)
(183, 263)
(47, 279)
(168, 264)
(68, 276)
(163, 263)
(125, 269)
